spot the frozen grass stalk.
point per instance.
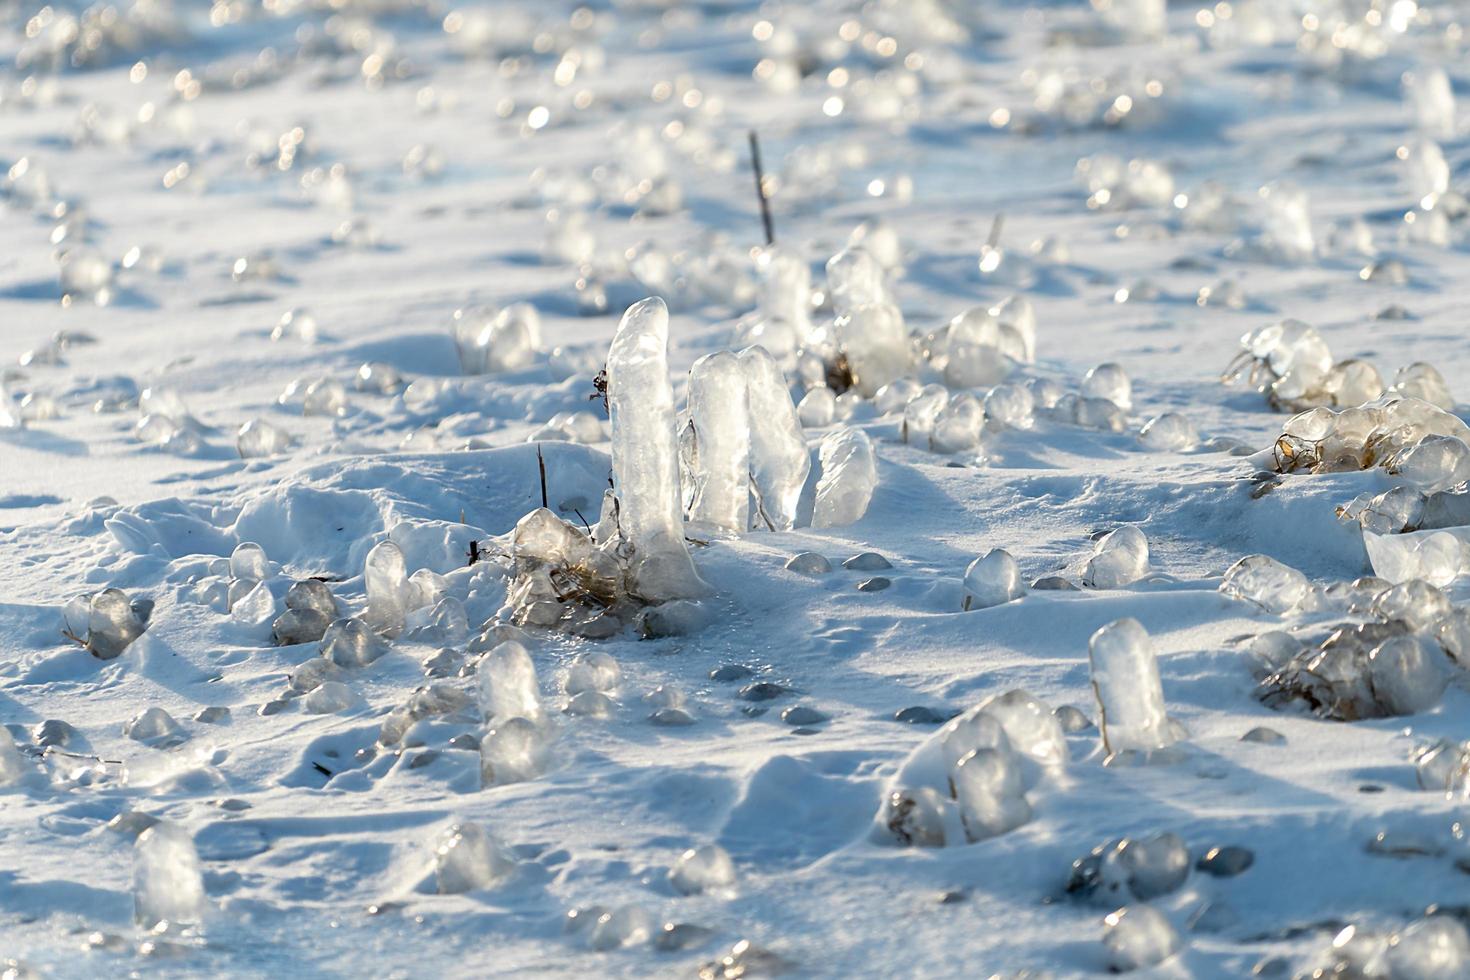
(1130, 696)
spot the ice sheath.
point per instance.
(718, 409)
(645, 455)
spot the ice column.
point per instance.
(168, 885)
(1130, 697)
(645, 455)
(718, 409)
(779, 463)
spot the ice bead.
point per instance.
(491, 341)
(1423, 381)
(1119, 558)
(855, 279)
(258, 438)
(591, 704)
(467, 858)
(1009, 406)
(922, 411)
(350, 643)
(330, 698)
(973, 365)
(1406, 676)
(593, 671)
(1415, 603)
(514, 751)
(1268, 583)
(1435, 557)
(111, 624)
(386, 577)
(1141, 868)
(645, 455)
(1017, 316)
(506, 680)
(1169, 433)
(959, 425)
(993, 580)
(873, 339)
(895, 395)
(1351, 383)
(1111, 382)
(1138, 936)
(248, 561)
(1430, 948)
(720, 420)
(988, 786)
(1291, 360)
(849, 477)
(1029, 725)
(1434, 464)
(779, 461)
(310, 609)
(168, 881)
(785, 289)
(256, 607)
(325, 396)
(972, 730)
(12, 764)
(154, 726)
(914, 818)
(705, 868)
(627, 925)
(1130, 696)
(817, 408)
(1101, 414)
(1429, 94)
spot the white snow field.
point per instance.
(343, 633)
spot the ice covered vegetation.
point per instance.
(734, 489)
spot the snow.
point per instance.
(293, 287)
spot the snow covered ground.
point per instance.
(372, 166)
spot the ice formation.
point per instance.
(506, 679)
(352, 643)
(849, 476)
(310, 609)
(1412, 440)
(1130, 696)
(258, 438)
(168, 883)
(467, 858)
(874, 345)
(646, 458)
(1433, 101)
(779, 462)
(1138, 936)
(720, 419)
(1119, 558)
(992, 580)
(706, 868)
(593, 671)
(991, 796)
(514, 750)
(1131, 868)
(1169, 432)
(389, 594)
(491, 341)
(1109, 382)
(13, 766)
(1268, 583)
(106, 623)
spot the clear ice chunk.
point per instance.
(258, 438)
(351, 643)
(111, 624)
(1407, 677)
(506, 680)
(1169, 432)
(1429, 948)
(1137, 937)
(817, 408)
(1030, 727)
(992, 580)
(1429, 93)
(875, 343)
(168, 880)
(491, 341)
(248, 561)
(1111, 382)
(1119, 558)
(706, 868)
(154, 726)
(310, 609)
(914, 818)
(1273, 586)
(1009, 406)
(849, 477)
(467, 858)
(645, 455)
(593, 671)
(514, 751)
(627, 925)
(1436, 557)
(988, 786)
(1130, 696)
(855, 279)
(779, 460)
(330, 698)
(388, 592)
(720, 419)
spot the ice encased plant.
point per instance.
(849, 477)
(1130, 696)
(106, 622)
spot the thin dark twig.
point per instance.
(582, 519)
(760, 188)
(541, 462)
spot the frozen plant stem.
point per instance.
(760, 188)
